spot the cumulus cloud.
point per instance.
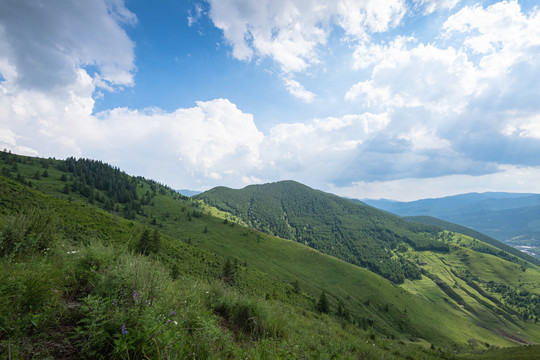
(502, 34)
(213, 140)
(406, 74)
(59, 37)
(321, 149)
(463, 102)
(294, 33)
(290, 32)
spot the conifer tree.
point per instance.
(228, 272)
(156, 241)
(322, 305)
(148, 243)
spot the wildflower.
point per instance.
(175, 322)
(173, 313)
(124, 330)
(169, 320)
(113, 302)
(136, 295)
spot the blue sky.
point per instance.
(368, 99)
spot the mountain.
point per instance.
(188, 193)
(428, 220)
(374, 239)
(508, 217)
(103, 264)
(355, 233)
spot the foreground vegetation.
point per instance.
(135, 270)
(98, 296)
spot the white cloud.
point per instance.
(441, 80)
(297, 90)
(323, 148)
(373, 96)
(291, 32)
(509, 178)
(212, 141)
(502, 34)
(59, 37)
(422, 138)
(430, 6)
(522, 126)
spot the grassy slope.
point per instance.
(358, 234)
(475, 308)
(462, 260)
(426, 316)
(473, 233)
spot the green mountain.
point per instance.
(355, 233)
(508, 217)
(99, 264)
(428, 220)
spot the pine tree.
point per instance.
(322, 305)
(228, 272)
(144, 242)
(156, 241)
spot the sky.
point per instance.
(396, 99)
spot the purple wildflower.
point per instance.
(124, 330)
(136, 295)
(173, 313)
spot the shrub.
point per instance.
(27, 233)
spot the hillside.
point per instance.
(508, 217)
(428, 220)
(235, 292)
(357, 234)
(291, 209)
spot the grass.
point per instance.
(92, 262)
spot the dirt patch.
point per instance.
(513, 337)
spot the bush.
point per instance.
(28, 297)
(248, 317)
(27, 233)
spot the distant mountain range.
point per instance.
(188, 193)
(513, 218)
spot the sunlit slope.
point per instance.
(358, 234)
(429, 220)
(420, 309)
(75, 285)
(500, 295)
(429, 314)
(487, 292)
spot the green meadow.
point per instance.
(130, 269)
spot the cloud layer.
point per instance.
(457, 112)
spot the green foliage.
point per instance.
(27, 232)
(229, 271)
(149, 242)
(508, 253)
(93, 293)
(322, 304)
(353, 232)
